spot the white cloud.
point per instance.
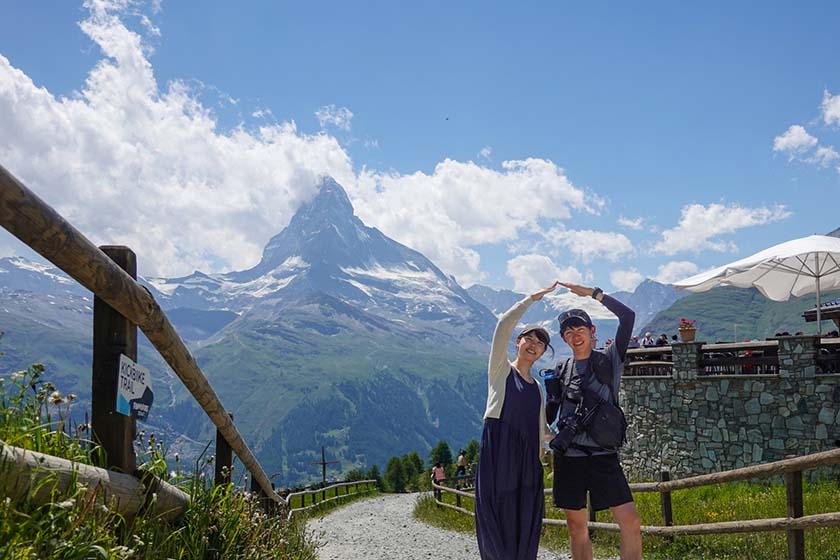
(700, 226)
(129, 161)
(626, 280)
(823, 156)
(588, 245)
(485, 152)
(794, 141)
(636, 224)
(532, 272)
(830, 108)
(675, 270)
(338, 117)
(462, 204)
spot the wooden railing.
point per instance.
(40, 227)
(795, 523)
(730, 358)
(367, 486)
(652, 361)
(741, 358)
(828, 359)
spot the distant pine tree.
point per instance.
(472, 451)
(374, 474)
(441, 453)
(395, 476)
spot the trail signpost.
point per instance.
(134, 389)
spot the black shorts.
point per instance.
(600, 475)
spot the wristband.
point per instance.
(595, 293)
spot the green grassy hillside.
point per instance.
(736, 314)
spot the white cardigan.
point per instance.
(499, 367)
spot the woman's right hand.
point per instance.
(537, 296)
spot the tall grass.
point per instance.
(221, 521)
(729, 502)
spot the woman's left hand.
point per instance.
(537, 296)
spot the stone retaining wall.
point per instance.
(689, 423)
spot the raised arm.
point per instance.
(498, 364)
(626, 319)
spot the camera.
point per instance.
(568, 428)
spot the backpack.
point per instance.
(604, 421)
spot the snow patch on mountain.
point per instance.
(47, 271)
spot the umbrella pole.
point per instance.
(819, 317)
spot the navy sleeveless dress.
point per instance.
(509, 502)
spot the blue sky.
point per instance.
(511, 143)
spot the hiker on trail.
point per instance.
(461, 464)
(438, 473)
(509, 503)
(585, 450)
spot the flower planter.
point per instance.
(687, 335)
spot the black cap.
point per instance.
(539, 331)
(574, 318)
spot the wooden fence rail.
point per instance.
(368, 486)
(39, 226)
(794, 524)
(23, 473)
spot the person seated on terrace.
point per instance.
(634, 342)
(648, 340)
(662, 340)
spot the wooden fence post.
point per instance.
(259, 494)
(665, 502)
(795, 537)
(113, 335)
(224, 458)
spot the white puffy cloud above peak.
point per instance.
(461, 205)
(700, 226)
(670, 272)
(626, 280)
(129, 162)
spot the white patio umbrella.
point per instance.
(793, 268)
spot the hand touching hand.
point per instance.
(582, 291)
(537, 296)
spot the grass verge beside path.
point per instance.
(711, 504)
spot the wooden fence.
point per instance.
(759, 357)
(367, 486)
(795, 523)
(122, 304)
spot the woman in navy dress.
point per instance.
(509, 502)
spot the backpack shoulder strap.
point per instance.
(603, 373)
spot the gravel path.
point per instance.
(383, 528)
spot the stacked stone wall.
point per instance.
(690, 423)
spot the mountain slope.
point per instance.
(736, 314)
